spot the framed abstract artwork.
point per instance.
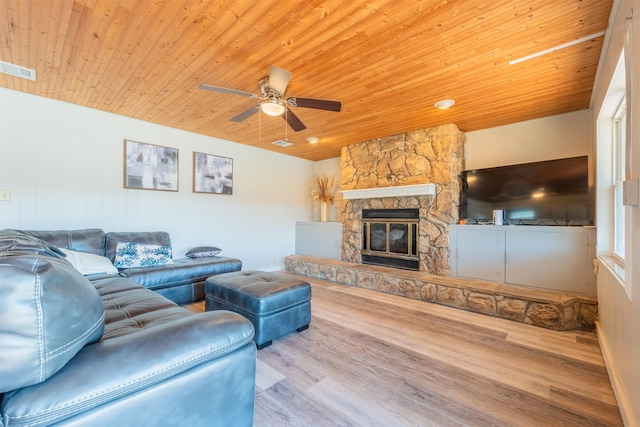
(150, 167)
(212, 174)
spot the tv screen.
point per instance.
(554, 192)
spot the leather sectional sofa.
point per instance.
(106, 350)
(181, 281)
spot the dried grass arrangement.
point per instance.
(324, 190)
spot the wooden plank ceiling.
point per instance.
(387, 61)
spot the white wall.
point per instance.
(64, 167)
(619, 316)
(555, 137)
(548, 138)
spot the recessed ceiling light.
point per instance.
(313, 139)
(444, 104)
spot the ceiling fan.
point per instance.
(272, 89)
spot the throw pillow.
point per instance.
(112, 238)
(130, 255)
(203, 252)
(88, 264)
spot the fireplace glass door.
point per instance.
(391, 242)
(391, 238)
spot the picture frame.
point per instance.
(150, 167)
(212, 174)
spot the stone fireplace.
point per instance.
(420, 170)
(416, 170)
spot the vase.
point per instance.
(324, 211)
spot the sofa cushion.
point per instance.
(48, 311)
(16, 242)
(182, 271)
(129, 307)
(130, 255)
(90, 240)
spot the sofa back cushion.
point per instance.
(48, 311)
(90, 240)
(160, 238)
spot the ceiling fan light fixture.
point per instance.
(272, 107)
(444, 104)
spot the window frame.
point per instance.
(618, 157)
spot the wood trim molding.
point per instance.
(399, 191)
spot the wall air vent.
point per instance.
(282, 143)
(17, 71)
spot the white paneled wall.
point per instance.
(555, 137)
(618, 335)
(64, 167)
(619, 310)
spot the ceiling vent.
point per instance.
(17, 71)
(282, 143)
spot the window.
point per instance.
(619, 135)
(611, 215)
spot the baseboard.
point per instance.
(618, 391)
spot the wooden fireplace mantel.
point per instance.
(397, 191)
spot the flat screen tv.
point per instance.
(554, 192)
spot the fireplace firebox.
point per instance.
(390, 238)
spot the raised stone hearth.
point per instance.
(539, 307)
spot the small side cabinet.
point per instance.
(321, 239)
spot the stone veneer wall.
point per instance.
(434, 155)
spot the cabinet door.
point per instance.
(330, 240)
(306, 239)
(548, 259)
(480, 253)
(321, 239)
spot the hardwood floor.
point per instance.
(374, 359)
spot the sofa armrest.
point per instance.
(113, 368)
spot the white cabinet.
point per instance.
(481, 253)
(546, 258)
(321, 239)
(558, 258)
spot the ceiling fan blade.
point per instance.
(293, 120)
(319, 104)
(278, 79)
(246, 114)
(229, 91)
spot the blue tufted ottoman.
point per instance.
(274, 303)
